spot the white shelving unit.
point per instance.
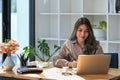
(55, 21)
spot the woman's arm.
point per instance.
(99, 50)
(65, 56)
(60, 59)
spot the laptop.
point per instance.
(93, 64)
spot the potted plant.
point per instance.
(44, 56)
(103, 25)
(28, 52)
(100, 31)
(45, 50)
(44, 53)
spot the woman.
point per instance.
(81, 42)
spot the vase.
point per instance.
(99, 34)
(23, 60)
(8, 63)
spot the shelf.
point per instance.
(103, 41)
(71, 6)
(115, 41)
(71, 14)
(114, 14)
(48, 6)
(114, 27)
(95, 6)
(114, 48)
(95, 14)
(48, 13)
(66, 25)
(95, 19)
(50, 39)
(47, 29)
(55, 20)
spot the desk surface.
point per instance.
(55, 73)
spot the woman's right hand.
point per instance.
(72, 64)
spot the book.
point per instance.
(112, 6)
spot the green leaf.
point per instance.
(45, 49)
(103, 25)
(29, 51)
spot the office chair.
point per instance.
(114, 60)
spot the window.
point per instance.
(0, 27)
(19, 24)
(0, 21)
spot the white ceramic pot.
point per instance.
(8, 64)
(99, 34)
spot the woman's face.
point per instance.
(82, 33)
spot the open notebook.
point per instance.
(93, 64)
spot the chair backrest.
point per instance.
(114, 60)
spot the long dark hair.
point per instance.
(90, 43)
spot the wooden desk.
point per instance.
(113, 74)
(55, 74)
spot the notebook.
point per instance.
(24, 70)
(93, 64)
